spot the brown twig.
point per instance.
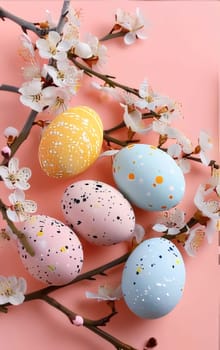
(21, 236)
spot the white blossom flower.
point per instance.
(133, 24)
(132, 115)
(133, 119)
(106, 293)
(107, 90)
(14, 177)
(12, 290)
(164, 129)
(194, 240)
(71, 27)
(210, 209)
(99, 51)
(27, 50)
(32, 71)
(146, 93)
(205, 144)
(53, 46)
(57, 98)
(31, 94)
(65, 75)
(171, 221)
(21, 208)
(166, 108)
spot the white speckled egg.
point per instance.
(98, 212)
(58, 252)
(153, 278)
(71, 143)
(148, 177)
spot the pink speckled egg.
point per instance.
(58, 252)
(98, 212)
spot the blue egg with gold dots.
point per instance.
(153, 278)
(148, 177)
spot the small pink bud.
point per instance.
(6, 151)
(78, 320)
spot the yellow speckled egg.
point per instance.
(71, 143)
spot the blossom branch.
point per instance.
(121, 143)
(23, 134)
(25, 25)
(112, 36)
(9, 88)
(21, 236)
(103, 77)
(84, 276)
(192, 222)
(64, 12)
(90, 324)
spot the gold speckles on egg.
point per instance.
(71, 143)
(63, 249)
(40, 234)
(51, 267)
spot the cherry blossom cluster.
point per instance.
(17, 179)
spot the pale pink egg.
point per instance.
(58, 255)
(98, 212)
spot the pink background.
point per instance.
(180, 59)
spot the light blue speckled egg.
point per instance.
(148, 177)
(153, 278)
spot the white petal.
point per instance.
(3, 299)
(91, 295)
(53, 37)
(159, 228)
(129, 38)
(141, 35)
(211, 229)
(135, 122)
(83, 50)
(111, 152)
(204, 158)
(12, 215)
(143, 89)
(173, 231)
(16, 299)
(139, 233)
(13, 165)
(194, 240)
(4, 171)
(30, 206)
(141, 103)
(205, 141)
(19, 195)
(174, 150)
(24, 174)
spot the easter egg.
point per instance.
(153, 278)
(71, 143)
(58, 252)
(98, 212)
(148, 177)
